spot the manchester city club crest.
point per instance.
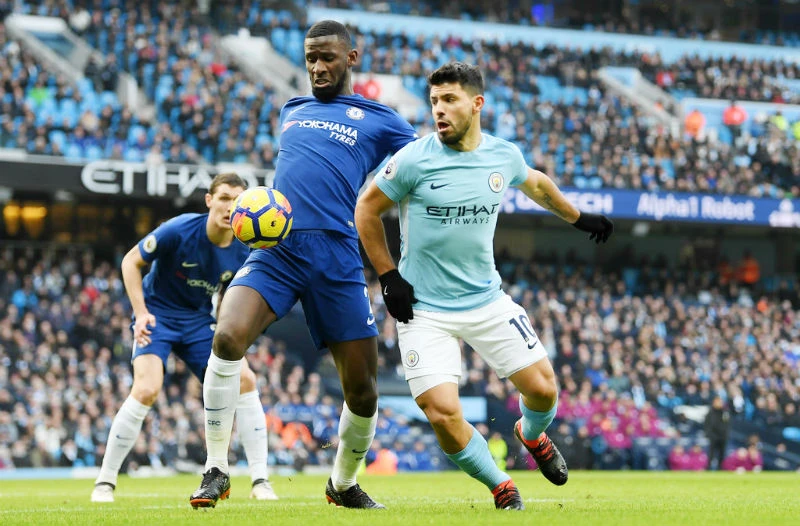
(355, 113)
(412, 358)
(496, 182)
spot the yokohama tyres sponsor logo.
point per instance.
(336, 130)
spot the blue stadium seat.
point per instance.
(73, 153)
(133, 155)
(94, 153)
(109, 98)
(58, 137)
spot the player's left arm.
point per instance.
(541, 189)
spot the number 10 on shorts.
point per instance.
(523, 325)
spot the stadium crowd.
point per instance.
(549, 101)
(531, 13)
(628, 348)
(206, 110)
(630, 343)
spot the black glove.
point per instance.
(398, 295)
(599, 226)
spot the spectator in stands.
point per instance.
(369, 88)
(748, 271)
(734, 117)
(695, 459)
(698, 459)
(678, 458)
(385, 462)
(779, 122)
(694, 123)
(717, 426)
(499, 450)
(744, 459)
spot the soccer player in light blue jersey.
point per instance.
(449, 187)
(191, 258)
(329, 142)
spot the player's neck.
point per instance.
(470, 141)
(220, 237)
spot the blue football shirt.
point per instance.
(449, 201)
(327, 149)
(186, 267)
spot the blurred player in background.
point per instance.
(329, 143)
(450, 185)
(192, 257)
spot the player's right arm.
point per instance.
(132, 265)
(372, 204)
(163, 240)
(398, 294)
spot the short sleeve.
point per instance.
(161, 240)
(398, 176)
(519, 168)
(400, 133)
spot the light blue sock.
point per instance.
(534, 422)
(476, 461)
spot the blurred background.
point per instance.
(677, 344)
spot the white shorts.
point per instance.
(500, 333)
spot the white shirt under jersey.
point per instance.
(449, 201)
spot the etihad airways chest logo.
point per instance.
(336, 130)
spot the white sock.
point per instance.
(355, 438)
(121, 437)
(252, 427)
(220, 393)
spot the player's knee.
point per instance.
(440, 414)
(247, 381)
(144, 393)
(443, 418)
(228, 345)
(362, 402)
(541, 392)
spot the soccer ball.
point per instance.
(261, 217)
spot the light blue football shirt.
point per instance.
(449, 201)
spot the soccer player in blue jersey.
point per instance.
(191, 257)
(449, 186)
(329, 143)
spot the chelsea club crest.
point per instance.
(355, 113)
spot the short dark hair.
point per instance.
(324, 28)
(229, 178)
(468, 76)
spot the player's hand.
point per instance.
(141, 329)
(398, 295)
(599, 226)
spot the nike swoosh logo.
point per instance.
(360, 452)
(296, 109)
(435, 186)
(215, 409)
(189, 265)
(371, 320)
(386, 290)
(123, 438)
(260, 428)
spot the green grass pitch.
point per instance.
(607, 498)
